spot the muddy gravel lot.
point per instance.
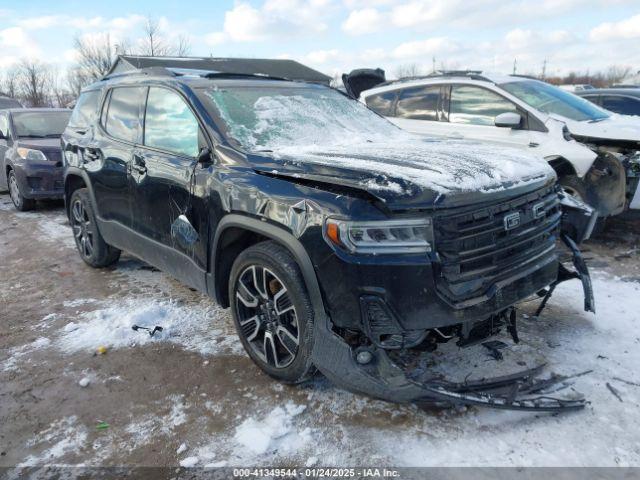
(190, 396)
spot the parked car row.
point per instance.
(595, 153)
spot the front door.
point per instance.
(472, 114)
(166, 211)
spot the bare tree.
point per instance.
(407, 71)
(617, 73)
(183, 46)
(155, 44)
(61, 94)
(95, 56)
(10, 83)
(35, 82)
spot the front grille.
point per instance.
(479, 247)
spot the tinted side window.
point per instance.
(477, 106)
(86, 109)
(382, 103)
(122, 119)
(419, 103)
(170, 124)
(622, 105)
(593, 98)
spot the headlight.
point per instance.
(29, 154)
(388, 236)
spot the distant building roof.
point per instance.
(289, 69)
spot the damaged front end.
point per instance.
(374, 361)
(612, 184)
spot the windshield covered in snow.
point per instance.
(550, 99)
(272, 118)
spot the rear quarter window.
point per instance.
(86, 109)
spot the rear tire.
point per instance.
(91, 246)
(272, 311)
(22, 204)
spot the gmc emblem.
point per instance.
(512, 221)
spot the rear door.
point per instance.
(108, 158)
(422, 110)
(163, 170)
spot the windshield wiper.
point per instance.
(596, 120)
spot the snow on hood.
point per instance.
(440, 165)
(615, 127)
(333, 131)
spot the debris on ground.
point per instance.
(84, 382)
(615, 391)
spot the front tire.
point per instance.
(272, 311)
(22, 204)
(91, 246)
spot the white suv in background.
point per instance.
(595, 153)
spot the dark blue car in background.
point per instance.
(30, 154)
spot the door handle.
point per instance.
(139, 164)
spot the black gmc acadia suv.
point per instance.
(337, 239)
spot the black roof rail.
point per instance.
(183, 72)
(158, 71)
(472, 74)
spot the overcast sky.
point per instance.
(338, 35)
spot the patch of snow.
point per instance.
(182, 448)
(60, 438)
(79, 302)
(274, 431)
(189, 462)
(56, 229)
(195, 327)
(16, 354)
(84, 382)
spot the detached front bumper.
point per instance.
(369, 370)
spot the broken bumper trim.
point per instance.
(382, 378)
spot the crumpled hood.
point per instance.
(412, 172)
(616, 127)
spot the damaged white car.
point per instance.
(595, 153)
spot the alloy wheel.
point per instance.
(267, 317)
(82, 228)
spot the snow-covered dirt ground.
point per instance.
(190, 396)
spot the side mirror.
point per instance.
(205, 155)
(508, 120)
